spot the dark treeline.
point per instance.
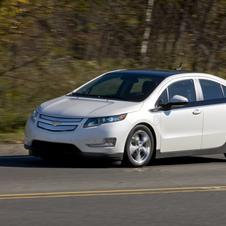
(191, 31)
(49, 47)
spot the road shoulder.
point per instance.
(12, 149)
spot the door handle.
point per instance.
(197, 112)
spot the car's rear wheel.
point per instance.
(139, 147)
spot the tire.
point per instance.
(139, 147)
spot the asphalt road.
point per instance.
(173, 192)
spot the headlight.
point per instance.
(34, 116)
(102, 120)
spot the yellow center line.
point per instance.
(113, 192)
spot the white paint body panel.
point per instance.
(67, 106)
(181, 130)
(214, 132)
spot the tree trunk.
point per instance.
(147, 32)
(201, 36)
(178, 49)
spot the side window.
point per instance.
(211, 90)
(183, 88)
(163, 99)
(224, 89)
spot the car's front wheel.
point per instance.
(139, 147)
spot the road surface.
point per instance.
(173, 192)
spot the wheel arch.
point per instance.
(153, 134)
(126, 159)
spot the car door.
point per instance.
(214, 106)
(181, 127)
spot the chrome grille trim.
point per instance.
(57, 124)
(50, 118)
(58, 128)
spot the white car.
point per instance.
(133, 116)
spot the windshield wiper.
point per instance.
(78, 94)
(112, 97)
(97, 96)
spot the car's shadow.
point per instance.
(33, 162)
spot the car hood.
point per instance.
(67, 106)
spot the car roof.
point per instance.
(157, 73)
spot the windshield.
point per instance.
(121, 86)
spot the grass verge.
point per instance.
(16, 137)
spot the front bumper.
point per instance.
(59, 150)
(106, 141)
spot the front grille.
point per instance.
(54, 147)
(57, 124)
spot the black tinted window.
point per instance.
(183, 88)
(131, 87)
(211, 90)
(163, 99)
(224, 89)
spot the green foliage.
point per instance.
(49, 48)
(20, 96)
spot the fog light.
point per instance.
(106, 142)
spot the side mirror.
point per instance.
(175, 101)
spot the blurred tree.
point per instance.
(147, 32)
(165, 31)
(45, 42)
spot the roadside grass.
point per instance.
(22, 90)
(16, 137)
